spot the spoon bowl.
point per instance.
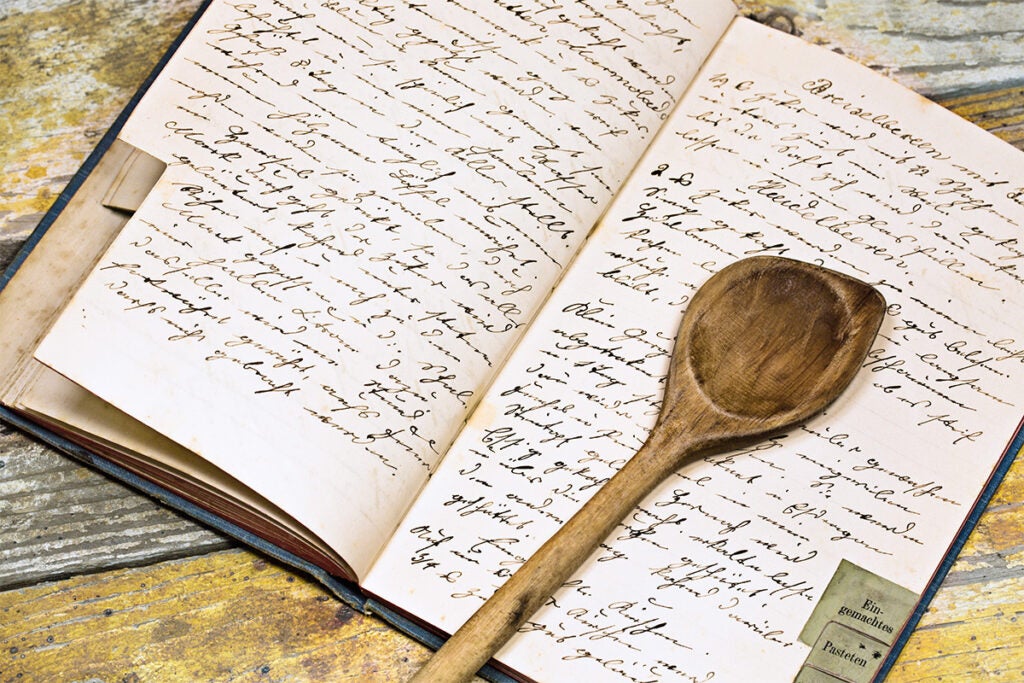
(764, 344)
(767, 342)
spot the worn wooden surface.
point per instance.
(98, 583)
(60, 519)
(937, 47)
(223, 616)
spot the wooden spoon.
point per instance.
(764, 344)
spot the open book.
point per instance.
(389, 290)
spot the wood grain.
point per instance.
(936, 47)
(60, 519)
(972, 632)
(228, 616)
(1001, 112)
(68, 68)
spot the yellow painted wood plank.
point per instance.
(931, 46)
(68, 69)
(973, 632)
(999, 111)
(228, 616)
(1000, 531)
(1011, 488)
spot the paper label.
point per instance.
(854, 626)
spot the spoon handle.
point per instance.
(553, 564)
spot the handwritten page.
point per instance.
(777, 148)
(364, 206)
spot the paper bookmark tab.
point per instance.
(134, 180)
(854, 626)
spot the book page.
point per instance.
(364, 206)
(777, 148)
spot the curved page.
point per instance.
(363, 208)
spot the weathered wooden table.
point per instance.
(98, 583)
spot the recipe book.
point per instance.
(389, 290)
